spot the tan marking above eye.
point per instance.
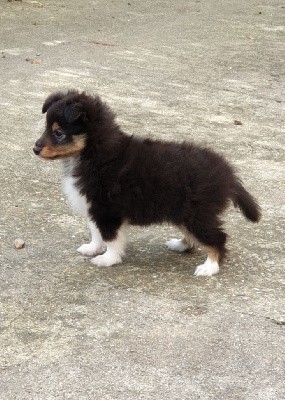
(55, 127)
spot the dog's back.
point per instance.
(153, 181)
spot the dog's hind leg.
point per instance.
(115, 243)
(209, 234)
(181, 245)
(211, 265)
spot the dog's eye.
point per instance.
(59, 134)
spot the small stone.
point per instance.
(19, 243)
(237, 122)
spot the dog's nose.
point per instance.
(37, 150)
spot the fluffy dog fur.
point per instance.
(114, 179)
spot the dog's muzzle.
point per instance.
(37, 150)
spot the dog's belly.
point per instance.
(77, 202)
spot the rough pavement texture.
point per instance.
(207, 71)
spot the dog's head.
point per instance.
(66, 122)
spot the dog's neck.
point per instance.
(69, 165)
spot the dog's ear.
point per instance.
(75, 111)
(52, 98)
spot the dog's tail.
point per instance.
(246, 203)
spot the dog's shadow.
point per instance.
(149, 268)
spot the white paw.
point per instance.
(209, 268)
(177, 245)
(90, 249)
(106, 260)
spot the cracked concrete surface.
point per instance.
(211, 72)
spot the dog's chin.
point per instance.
(45, 158)
(57, 156)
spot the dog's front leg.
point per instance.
(115, 248)
(96, 246)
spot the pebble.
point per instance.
(19, 243)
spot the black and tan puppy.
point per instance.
(114, 179)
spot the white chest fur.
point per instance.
(77, 202)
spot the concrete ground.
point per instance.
(208, 71)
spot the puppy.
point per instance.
(113, 179)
